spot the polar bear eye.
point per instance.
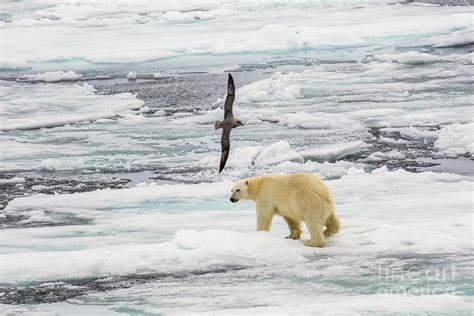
(238, 190)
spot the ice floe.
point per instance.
(412, 132)
(458, 38)
(411, 58)
(383, 213)
(278, 87)
(41, 105)
(276, 153)
(53, 76)
(12, 180)
(13, 64)
(132, 75)
(380, 156)
(358, 88)
(333, 152)
(259, 156)
(157, 31)
(456, 139)
(321, 120)
(355, 304)
(127, 57)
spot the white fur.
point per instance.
(297, 198)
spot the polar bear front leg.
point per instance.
(264, 218)
(294, 226)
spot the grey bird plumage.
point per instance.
(228, 123)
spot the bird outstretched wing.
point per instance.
(225, 145)
(229, 100)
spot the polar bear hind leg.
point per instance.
(332, 225)
(315, 229)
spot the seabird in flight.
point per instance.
(228, 123)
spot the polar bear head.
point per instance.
(240, 191)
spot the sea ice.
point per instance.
(189, 29)
(56, 105)
(13, 63)
(277, 153)
(276, 88)
(270, 38)
(412, 132)
(388, 225)
(390, 76)
(12, 180)
(333, 152)
(379, 156)
(458, 38)
(259, 156)
(456, 139)
(412, 58)
(53, 76)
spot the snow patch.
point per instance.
(56, 105)
(35, 217)
(128, 57)
(380, 156)
(391, 303)
(270, 38)
(325, 170)
(404, 197)
(278, 87)
(412, 132)
(240, 157)
(277, 153)
(109, 198)
(459, 38)
(259, 156)
(333, 152)
(450, 23)
(189, 251)
(410, 58)
(13, 64)
(456, 139)
(321, 120)
(277, 37)
(53, 76)
(12, 180)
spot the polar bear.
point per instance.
(297, 198)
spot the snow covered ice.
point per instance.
(134, 234)
(110, 199)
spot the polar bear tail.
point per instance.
(332, 225)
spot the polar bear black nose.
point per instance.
(233, 200)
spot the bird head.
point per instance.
(238, 123)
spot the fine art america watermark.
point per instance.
(415, 281)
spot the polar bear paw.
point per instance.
(294, 235)
(314, 243)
